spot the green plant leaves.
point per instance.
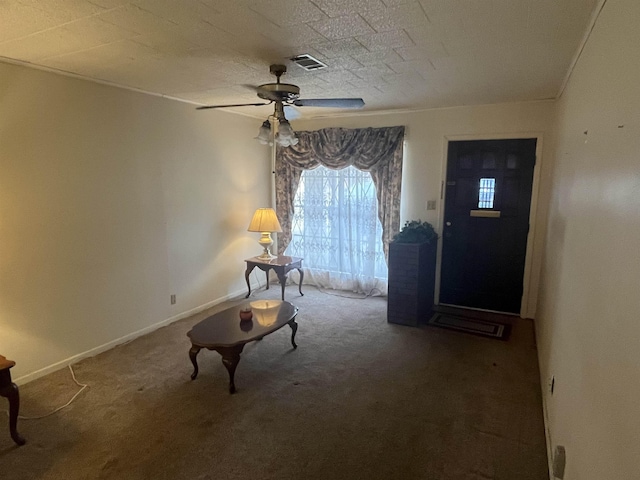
(416, 231)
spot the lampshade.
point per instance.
(285, 128)
(264, 220)
(264, 134)
(286, 136)
(284, 141)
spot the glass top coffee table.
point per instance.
(225, 333)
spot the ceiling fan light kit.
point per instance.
(264, 134)
(286, 136)
(281, 95)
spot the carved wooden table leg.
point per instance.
(14, 407)
(247, 272)
(230, 359)
(294, 329)
(300, 284)
(9, 390)
(282, 278)
(193, 354)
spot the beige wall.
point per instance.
(110, 201)
(425, 148)
(589, 315)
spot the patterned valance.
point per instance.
(375, 150)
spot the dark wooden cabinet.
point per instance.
(412, 271)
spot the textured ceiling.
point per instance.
(395, 54)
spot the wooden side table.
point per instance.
(9, 390)
(281, 264)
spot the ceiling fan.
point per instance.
(287, 94)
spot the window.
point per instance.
(335, 228)
(486, 192)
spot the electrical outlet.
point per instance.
(173, 299)
(431, 204)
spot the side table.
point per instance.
(281, 264)
(9, 390)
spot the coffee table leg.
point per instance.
(193, 354)
(300, 284)
(294, 329)
(230, 359)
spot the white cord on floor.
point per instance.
(73, 375)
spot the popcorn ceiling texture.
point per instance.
(393, 54)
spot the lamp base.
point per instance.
(266, 241)
(266, 255)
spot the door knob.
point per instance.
(448, 224)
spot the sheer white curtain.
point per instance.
(336, 229)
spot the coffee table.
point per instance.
(225, 333)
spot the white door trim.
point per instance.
(529, 287)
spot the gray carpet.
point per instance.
(359, 399)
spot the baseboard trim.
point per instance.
(545, 406)
(547, 434)
(126, 338)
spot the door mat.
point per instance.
(474, 326)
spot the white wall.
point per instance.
(425, 151)
(110, 201)
(589, 314)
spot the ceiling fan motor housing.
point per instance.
(285, 92)
(277, 70)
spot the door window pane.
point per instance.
(489, 161)
(486, 192)
(465, 162)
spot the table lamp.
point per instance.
(265, 222)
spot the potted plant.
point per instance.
(416, 231)
(412, 273)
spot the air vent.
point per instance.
(308, 62)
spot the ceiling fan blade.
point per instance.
(330, 102)
(291, 112)
(206, 107)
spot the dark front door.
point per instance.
(486, 222)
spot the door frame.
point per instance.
(531, 274)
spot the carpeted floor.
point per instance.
(359, 399)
